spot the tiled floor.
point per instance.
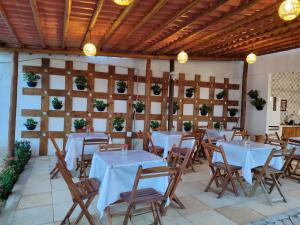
(37, 200)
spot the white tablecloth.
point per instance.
(74, 147)
(290, 144)
(248, 156)
(167, 139)
(215, 133)
(116, 171)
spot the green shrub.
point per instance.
(8, 178)
(16, 164)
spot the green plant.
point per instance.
(189, 92)
(175, 107)
(8, 178)
(24, 145)
(15, 163)
(56, 103)
(217, 125)
(204, 109)
(187, 125)
(121, 86)
(81, 82)
(253, 94)
(139, 106)
(79, 123)
(23, 150)
(156, 89)
(154, 124)
(258, 103)
(221, 95)
(100, 105)
(30, 124)
(118, 123)
(233, 111)
(31, 77)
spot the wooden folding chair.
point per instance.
(277, 143)
(272, 136)
(111, 147)
(268, 177)
(221, 171)
(157, 150)
(86, 159)
(293, 170)
(55, 171)
(141, 135)
(200, 135)
(149, 196)
(239, 133)
(80, 191)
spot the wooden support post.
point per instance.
(13, 105)
(244, 95)
(171, 95)
(148, 95)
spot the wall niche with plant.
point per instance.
(256, 101)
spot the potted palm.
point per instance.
(175, 107)
(30, 124)
(100, 105)
(156, 89)
(221, 95)
(253, 94)
(204, 110)
(233, 111)
(56, 103)
(81, 82)
(189, 92)
(139, 106)
(121, 86)
(258, 103)
(118, 123)
(79, 124)
(187, 126)
(154, 124)
(31, 79)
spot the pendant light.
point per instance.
(289, 10)
(123, 2)
(251, 58)
(182, 57)
(89, 49)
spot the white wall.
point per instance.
(259, 77)
(221, 70)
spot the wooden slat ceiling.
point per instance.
(203, 28)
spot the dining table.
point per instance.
(294, 142)
(220, 133)
(247, 155)
(74, 147)
(116, 171)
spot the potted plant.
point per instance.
(81, 82)
(118, 123)
(121, 86)
(175, 107)
(221, 95)
(187, 126)
(189, 92)
(56, 103)
(253, 94)
(31, 79)
(156, 89)
(233, 111)
(100, 105)
(139, 106)
(217, 125)
(259, 103)
(154, 124)
(204, 110)
(30, 124)
(79, 123)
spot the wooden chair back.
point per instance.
(94, 142)
(210, 149)
(272, 136)
(186, 138)
(275, 142)
(111, 147)
(59, 153)
(149, 139)
(200, 134)
(141, 135)
(239, 133)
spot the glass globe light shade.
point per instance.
(289, 10)
(251, 58)
(89, 49)
(123, 2)
(182, 57)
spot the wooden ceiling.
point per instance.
(227, 29)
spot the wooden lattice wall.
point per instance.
(69, 73)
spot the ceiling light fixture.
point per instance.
(251, 58)
(182, 57)
(289, 10)
(123, 2)
(89, 49)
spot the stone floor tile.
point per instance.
(33, 216)
(28, 201)
(210, 217)
(192, 205)
(62, 196)
(210, 199)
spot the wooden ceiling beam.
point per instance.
(176, 45)
(9, 25)
(164, 25)
(155, 9)
(93, 20)
(186, 26)
(67, 13)
(117, 23)
(37, 21)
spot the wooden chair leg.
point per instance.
(178, 202)
(158, 214)
(239, 179)
(86, 213)
(69, 213)
(87, 204)
(234, 188)
(211, 180)
(54, 172)
(278, 187)
(127, 215)
(109, 215)
(255, 186)
(224, 186)
(153, 209)
(263, 186)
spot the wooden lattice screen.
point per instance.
(69, 73)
